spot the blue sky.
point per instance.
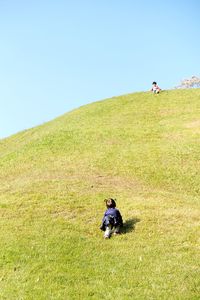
(58, 55)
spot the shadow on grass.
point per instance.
(129, 225)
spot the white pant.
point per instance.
(109, 230)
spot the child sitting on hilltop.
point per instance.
(112, 219)
(155, 88)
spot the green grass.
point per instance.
(142, 149)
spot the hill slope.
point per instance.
(142, 149)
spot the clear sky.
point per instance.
(56, 55)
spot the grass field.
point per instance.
(140, 148)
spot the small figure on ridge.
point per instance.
(155, 88)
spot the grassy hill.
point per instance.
(140, 148)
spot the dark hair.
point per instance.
(110, 203)
(154, 82)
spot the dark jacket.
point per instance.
(111, 217)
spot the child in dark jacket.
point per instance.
(112, 219)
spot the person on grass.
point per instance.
(155, 88)
(112, 219)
